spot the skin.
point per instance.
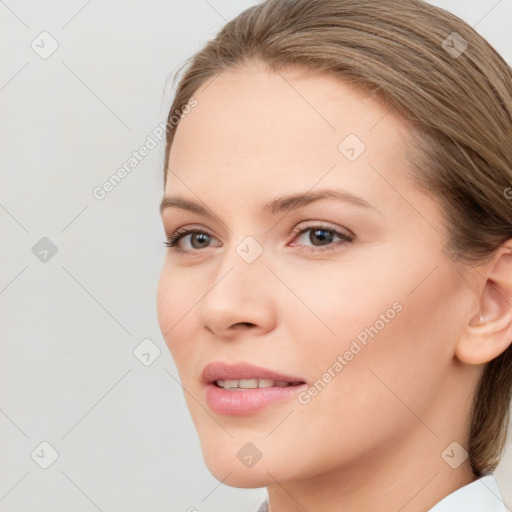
(372, 438)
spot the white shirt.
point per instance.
(482, 495)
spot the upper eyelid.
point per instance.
(301, 226)
(322, 225)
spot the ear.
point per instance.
(488, 332)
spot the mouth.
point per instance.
(244, 375)
(242, 389)
(239, 385)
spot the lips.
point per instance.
(243, 389)
(220, 370)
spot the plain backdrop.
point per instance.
(88, 387)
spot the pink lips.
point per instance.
(240, 402)
(221, 370)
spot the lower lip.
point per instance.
(247, 401)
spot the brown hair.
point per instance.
(459, 107)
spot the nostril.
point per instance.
(246, 324)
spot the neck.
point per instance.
(407, 473)
(401, 477)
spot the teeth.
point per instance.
(250, 383)
(243, 383)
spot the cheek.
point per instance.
(164, 302)
(174, 301)
(393, 334)
(339, 305)
(404, 364)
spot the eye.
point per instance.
(198, 239)
(323, 236)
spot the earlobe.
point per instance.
(489, 331)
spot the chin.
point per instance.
(229, 466)
(240, 477)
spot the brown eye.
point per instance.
(322, 238)
(198, 239)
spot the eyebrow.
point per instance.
(274, 207)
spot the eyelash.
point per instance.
(172, 241)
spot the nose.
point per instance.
(240, 297)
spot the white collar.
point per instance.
(482, 495)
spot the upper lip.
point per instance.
(222, 370)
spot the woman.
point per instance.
(337, 292)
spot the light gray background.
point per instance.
(69, 325)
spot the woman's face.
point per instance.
(353, 297)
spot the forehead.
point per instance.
(254, 124)
(259, 99)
